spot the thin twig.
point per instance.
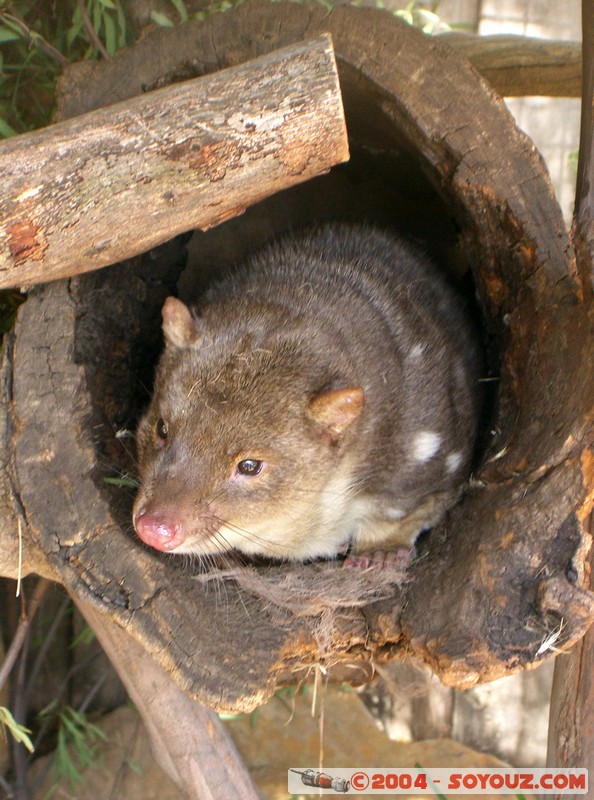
(6, 788)
(19, 756)
(91, 31)
(34, 39)
(22, 628)
(124, 769)
(48, 640)
(20, 572)
(94, 690)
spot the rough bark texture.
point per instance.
(513, 65)
(517, 66)
(440, 157)
(115, 182)
(571, 726)
(19, 554)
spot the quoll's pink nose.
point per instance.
(159, 530)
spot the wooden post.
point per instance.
(571, 721)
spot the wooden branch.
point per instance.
(21, 632)
(584, 195)
(189, 741)
(116, 182)
(91, 32)
(522, 65)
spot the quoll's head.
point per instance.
(243, 444)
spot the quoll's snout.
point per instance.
(159, 529)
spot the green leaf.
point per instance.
(97, 18)
(108, 4)
(404, 15)
(5, 129)
(16, 730)
(110, 35)
(84, 638)
(74, 30)
(122, 26)
(430, 22)
(128, 483)
(134, 766)
(77, 16)
(161, 19)
(77, 739)
(63, 764)
(69, 727)
(93, 731)
(181, 9)
(11, 25)
(8, 35)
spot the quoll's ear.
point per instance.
(179, 326)
(336, 409)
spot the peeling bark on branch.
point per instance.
(117, 181)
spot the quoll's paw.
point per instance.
(397, 560)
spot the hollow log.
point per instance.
(114, 182)
(502, 583)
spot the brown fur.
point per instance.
(342, 361)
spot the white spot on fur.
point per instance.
(453, 461)
(395, 513)
(417, 351)
(425, 445)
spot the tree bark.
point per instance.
(517, 66)
(115, 182)
(571, 723)
(19, 555)
(438, 157)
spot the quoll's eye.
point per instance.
(161, 431)
(250, 467)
